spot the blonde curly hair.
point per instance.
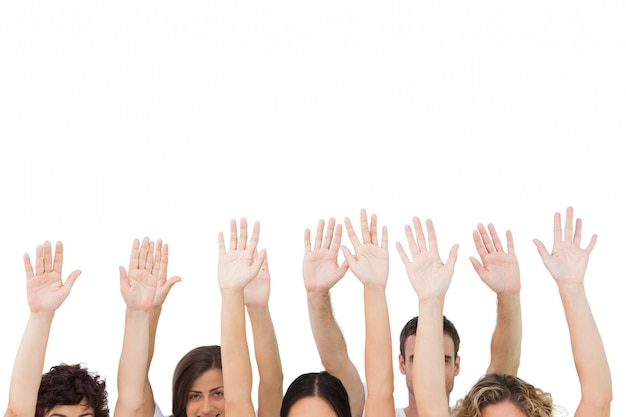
(496, 388)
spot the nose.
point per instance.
(207, 405)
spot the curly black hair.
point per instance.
(70, 385)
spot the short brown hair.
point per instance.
(70, 385)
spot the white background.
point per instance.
(123, 119)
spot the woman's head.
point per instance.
(495, 389)
(193, 386)
(320, 390)
(72, 386)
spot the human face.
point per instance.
(453, 365)
(77, 410)
(503, 409)
(311, 407)
(206, 396)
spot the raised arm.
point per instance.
(370, 264)
(321, 272)
(237, 267)
(256, 299)
(567, 264)
(499, 269)
(45, 291)
(138, 287)
(430, 278)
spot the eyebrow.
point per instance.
(217, 388)
(63, 415)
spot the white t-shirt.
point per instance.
(157, 411)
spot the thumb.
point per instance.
(452, 256)
(123, 275)
(72, 279)
(543, 252)
(350, 258)
(477, 266)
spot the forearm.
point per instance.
(378, 365)
(28, 366)
(429, 384)
(506, 342)
(133, 365)
(588, 351)
(268, 361)
(236, 367)
(332, 349)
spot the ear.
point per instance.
(457, 365)
(402, 364)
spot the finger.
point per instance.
(254, 239)
(123, 277)
(319, 234)
(58, 258)
(477, 266)
(351, 234)
(258, 263)
(169, 284)
(150, 257)
(143, 253)
(384, 238)
(329, 233)
(134, 256)
(307, 241)
(411, 240)
(28, 267)
(486, 240)
(350, 258)
(478, 242)
(266, 264)
(233, 235)
(164, 250)
(405, 259)
(432, 236)
(243, 234)
(419, 235)
(543, 252)
(373, 230)
(578, 231)
(47, 256)
(557, 232)
(69, 282)
(343, 268)
(494, 238)
(452, 256)
(365, 234)
(39, 260)
(591, 244)
(220, 244)
(510, 246)
(337, 239)
(569, 224)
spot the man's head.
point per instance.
(72, 386)
(451, 343)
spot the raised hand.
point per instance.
(238, 267)
(497, 268)
(138, 284)
(257, 292)
(370, 262)
(429, 276)
(567, 262)
(163, 284)
(320, 268)
(45, 288)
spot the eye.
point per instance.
(218, 394)
(194, 396)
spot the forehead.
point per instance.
(208, 380)
(311, 407)
(76, 410)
